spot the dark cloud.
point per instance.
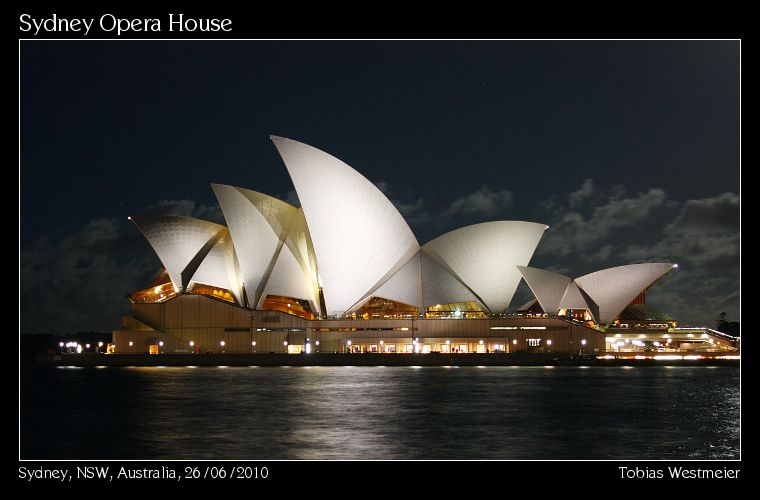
(573, 233)
(592, 230)
(703, 239)
(186, 208)
(415, 211)
(481, 202)
(586, 191)
(78, 281)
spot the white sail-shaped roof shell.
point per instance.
(614, 288)
(359, 237)
(439, 286)
(404, 286)
(548, 287)
(288, 278)
(573, 298)
(259, 225)
(181, 243)
(484, 257)
(220, 268)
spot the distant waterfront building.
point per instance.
(345, 273)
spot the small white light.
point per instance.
(192, 343)
(285, 343)
(130, 343)
(161, 343)
(253, 343)
(348, 342)
(87, 346)
(100, 344)
(583, 341)
(549, 342)
(221, 343)
(448, 342)
(79, 348)
(480, 342)
(157, 289)
(381, 342)
(317, 342)
(60, 344)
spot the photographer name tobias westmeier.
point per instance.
(678, 473)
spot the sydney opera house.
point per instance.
(345, 273)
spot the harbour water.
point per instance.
(380, 413)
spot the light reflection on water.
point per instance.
(394, 413)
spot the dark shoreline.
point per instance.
(337, 359)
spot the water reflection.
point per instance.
(393, 413)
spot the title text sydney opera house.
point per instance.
(345, 273)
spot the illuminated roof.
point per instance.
(404, 285)
(181, 243)
(259, 225)
(220, 267)
(484, 257)
(614, 288)
(548, 287)
(360, 239)
(349, 240)
(289, 280)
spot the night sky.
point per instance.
(628, 150)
